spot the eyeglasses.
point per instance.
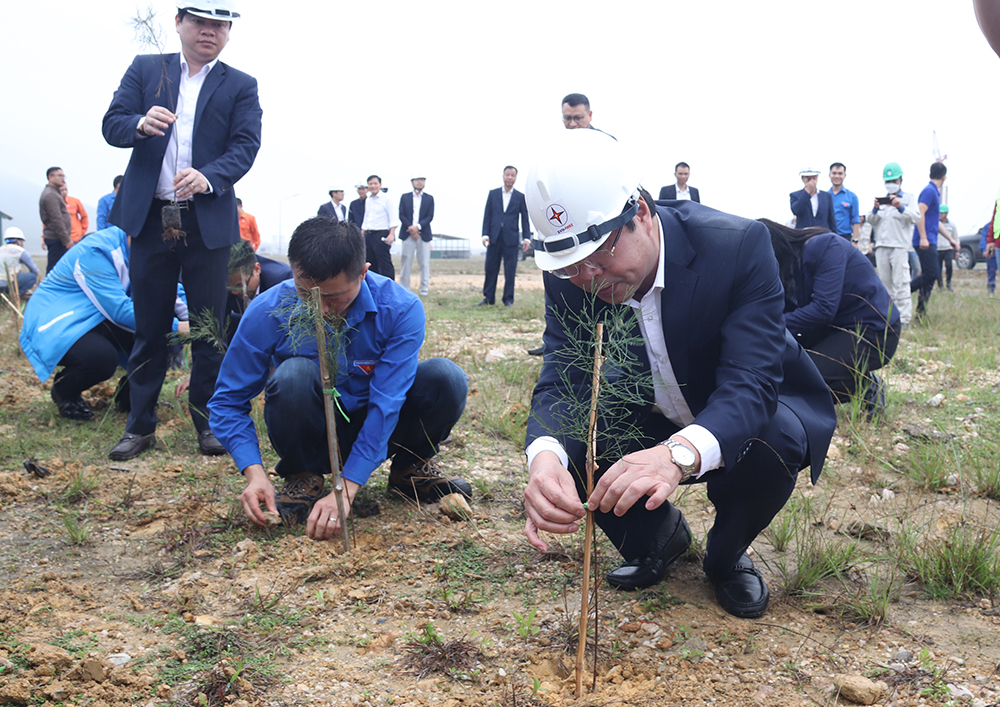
(571, 271)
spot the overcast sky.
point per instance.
(747, 93)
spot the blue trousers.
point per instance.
(296, 418)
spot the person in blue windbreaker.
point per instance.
(81, 318)
(838, 309)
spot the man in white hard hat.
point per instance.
(334, 208)
(811, 206)
(733, 401)
(416, 211)
(13, 257)
(193, 125)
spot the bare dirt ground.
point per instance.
(172, 598)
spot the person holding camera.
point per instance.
(893, 217)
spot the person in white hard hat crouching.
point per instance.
(13, 257)
(735, 402)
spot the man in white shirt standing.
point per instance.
(379, 228)
(193, 125)
(416, 211)
(333, 208)
(680, 191)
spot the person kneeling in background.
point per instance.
(838, 309)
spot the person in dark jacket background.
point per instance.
(811, 206)
(838, 309)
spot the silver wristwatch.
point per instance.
(683, 456)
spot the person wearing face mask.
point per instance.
(892, 218)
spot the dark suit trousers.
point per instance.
(746, 497)
(155, 268)
(377, 253)
(54, 250)
(92, 359)
(844, 358)
(494, 253)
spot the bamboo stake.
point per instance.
(11, 305)
(12, 286)
(331, 419)
(581, 648)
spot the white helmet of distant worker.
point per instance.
(13, 234)
(210, 9)
(582, 188)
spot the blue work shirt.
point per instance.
(376, 367)
(845, 210)
(932, 198)
(104, 210)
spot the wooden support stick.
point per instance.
(588, 539)
(329, 401)
(11, 305)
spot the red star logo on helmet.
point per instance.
(555, 215)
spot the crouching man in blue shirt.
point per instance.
(389, 404)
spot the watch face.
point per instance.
(682, 455)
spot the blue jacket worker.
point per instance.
(838, 309)
(81, 318)
(389, 404)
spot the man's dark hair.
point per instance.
(322, 248)
(242, 257)
(681, 164)
(938, 170)
(650, 202)
(239, 201)
(576, 99)
(374, 176)
(117, 181)
(510, 166)
(50, 170)
(838, 164)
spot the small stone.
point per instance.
(272, 518)
(44, 654)
(936, 401)
(953, 480)
(888, 494)
(857, 688)
(631, 627)
(119, 659)
(58, 691)
(456, 507)
(93, 669)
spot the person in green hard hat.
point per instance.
(892, 218)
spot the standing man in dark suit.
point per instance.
(356, 211)
(416, 233)
(333, 208)
(811, 206)
(193, 124)
(735, 402)
(501, 237)
(680, 190)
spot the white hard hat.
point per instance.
(211, 9)
(361, 185)
(335, 188)
(419, 176)
(581, 189)
(13, 233)
(808, 172)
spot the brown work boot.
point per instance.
(424, 481)
(296, 498)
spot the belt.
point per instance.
(183, 205)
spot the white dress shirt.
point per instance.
(380, 213)
(814, 200)
(417, 198)
(683, 194)
(506, 197)
(667, 396)
(174, 159)
(339, 210)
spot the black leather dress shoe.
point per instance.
(209, 445)
(74, 408)
(743, 592)
(130, 446)
(651, 568)
(537, 351)
(482, 302)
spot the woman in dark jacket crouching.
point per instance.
(838, 309)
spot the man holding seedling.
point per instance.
(733, 400)
(388, 403)
(193, 125)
